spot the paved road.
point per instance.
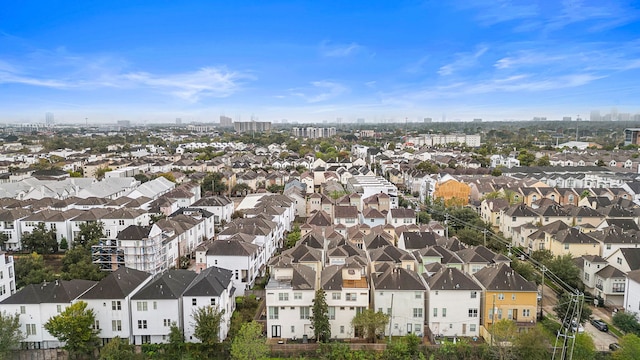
(600, 339)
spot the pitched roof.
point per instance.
(117, 285)
(397, 278)
(211, 281)
(418, 240)
(451, 279)
(503, 277)
(168, 285)
(134, 232)
(232, 248)
(609, 272)
(59, 291)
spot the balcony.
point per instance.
(599, 287)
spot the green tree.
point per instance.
(3, 241)
(320, 317)
(118, 349)
(370, 323)
(10, 334)
(627, 322)
(584, 348)
(532, 345)
(293, 237)
(101, 171)
(176, 342)
(542, 256)
(169, 176)
(64, 244)
(90, 233)
(565, 301)
(74, 327)
(496, 172)
(526, 158)
(207, 324)
(41, 240)
(564, 268)
(543, 161)
(31, 269)
(249, 344)
(503, 334)
(630, 348)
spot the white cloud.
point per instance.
(328, 90)
(462, 61)
(339, 50)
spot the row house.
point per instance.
(128, 304)
(238, 254)
(7, 276)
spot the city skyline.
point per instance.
(315, 62)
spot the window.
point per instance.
(283, 296)
(608, 246)
(586, 276)
(341, 329)
(500, 296)
(194, 302)
(335, 296)
(332, 312)
(499, 314)
(293, 329)
(526, 312)
(618, 287)
(155, 305)
(31, 329)
(166, 322)
(116, 305)
(472, 327)
(297, 296)
(473, 313)
(116, 325)
(96, 325)
(213, 301)
(619, 261)
(435, 312)
(444, 312)
(418, 295)
(142, 324)
(513, 218)
(566, 246)
(141, 305)
(474, 294)
(304, 313)
(273, 312)
(417, 312)
(513, 296)
(351, 297)
(121, 222)
(59, 308)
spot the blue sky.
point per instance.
(152, 61)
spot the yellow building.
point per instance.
(453, 192)
(572, 241)
(507, 295)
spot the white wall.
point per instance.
(401, 311)
(457, 304)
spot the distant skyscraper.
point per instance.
(124, 123)
(566, 118)
(225, 121)
(178, 121)
(428, 120)
(595, 115)
(252, 126)
(48, 119)
(477, 120)
(360, 121)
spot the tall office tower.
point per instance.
(225, 121)
(48, 119)
(178, 121)
(566, 118)
(614, 114)
(428, 120)
(595, 115)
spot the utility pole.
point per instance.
(493, 317)
(544, 268)
(484, 232)
(391, 318)
(446, 224)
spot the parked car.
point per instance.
(614, 346)
(574, 326)
(600, 325)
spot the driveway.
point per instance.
(600, 339)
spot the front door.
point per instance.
(275, 331)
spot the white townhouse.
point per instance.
(7, 276)
(158, 305)
(37, 303)
(289, 298)
(400, 294)
(119, 219)
(632, 292)
(453, 303)
(240, 257)
(10, 225)
(221, 207)
(110, 301)
(347, 292)
(212, 287)
(59, 221)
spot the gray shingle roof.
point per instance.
(210, 282)
(168, 285)
(117, 285)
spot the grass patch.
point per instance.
(614, 330)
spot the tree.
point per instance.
(3, 241)
(532, 345)
(542, 256)
(117, 349)
(503, 334)
(10, 334)
(584, 348)
(627, 322)
(543, 161)
(176, 342)
(249, 344)
(562, 308)
(207, 324)
(90, 233)
(64, 244)
(101, 171)
(74, 327)
(564, 268)
(293, 237)
(584, 194)
(41, 240)
(30, 269)
(320, 317)
(169, 176)
(370, 323)
(630, 348)
(526, 158)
